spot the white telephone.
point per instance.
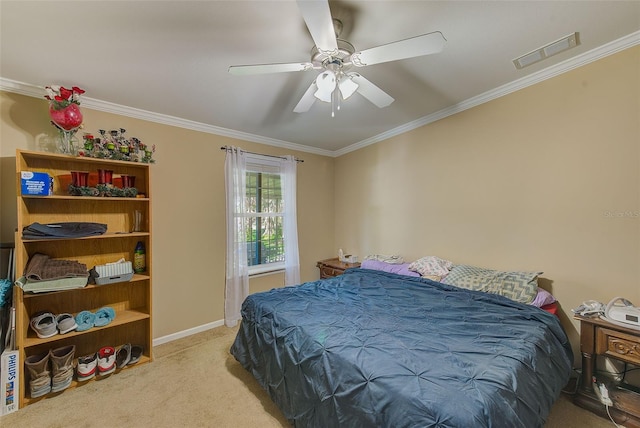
(621, 312)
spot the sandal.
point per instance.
(44, 324)
(66, 323)
(85, 320)
(123, 356)
(136, 353)
(104, 316)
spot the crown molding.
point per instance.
(611, 48)
(108, 107)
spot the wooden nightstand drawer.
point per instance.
(328, 272)
(618, 344)
(333, 267)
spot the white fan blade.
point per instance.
(307, 100)
(371, 92)
(408, 48)
(317, 16)
(242, 70)
(347, 87)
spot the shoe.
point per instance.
(104, 316)
(136, 353)
(85, 320)
(87, 367)
(40, 377)
(62, 367)
(66, 323)
(106, 360)
(123, 356)
(44, 324)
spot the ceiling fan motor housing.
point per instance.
(338, 60)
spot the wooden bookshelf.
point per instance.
(131, 300)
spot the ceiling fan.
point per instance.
(336, 58)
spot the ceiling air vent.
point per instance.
(546, 51)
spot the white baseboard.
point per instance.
(186, 333)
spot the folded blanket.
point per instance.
(50, 285)
(63, 230)
(41, 268)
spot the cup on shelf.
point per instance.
(128, 180)
(136, 221)
(80, 178)
(105, 176)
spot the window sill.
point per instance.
(269, 269)
(271, 272)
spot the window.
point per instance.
(262, 230)
(264, 221)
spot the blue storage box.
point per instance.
(36, 183)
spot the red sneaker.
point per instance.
(106, 360)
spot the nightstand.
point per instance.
(599, 337)
(333, 267)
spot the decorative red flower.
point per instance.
(61, 97)
(65, 93)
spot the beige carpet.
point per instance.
(193, 382)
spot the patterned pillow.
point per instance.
(519, 286)
(395, 259)
(430, 266)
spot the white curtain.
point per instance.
(237, 273)
(290, 221)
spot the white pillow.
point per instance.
(431, 266)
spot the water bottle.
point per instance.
(139, 259)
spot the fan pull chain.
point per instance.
(335, 101)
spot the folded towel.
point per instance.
(41, 268)
(104, 316)
(45, 286)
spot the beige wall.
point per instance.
(526, 181)
(188, 207)
(547, 178)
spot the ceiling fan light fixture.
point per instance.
(347, 87)
(326, 83)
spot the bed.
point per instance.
(377, 349)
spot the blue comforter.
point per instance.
(375, 349)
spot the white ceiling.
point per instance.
(171, 58)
